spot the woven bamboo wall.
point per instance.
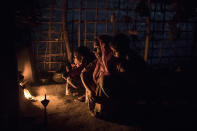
(171, 40)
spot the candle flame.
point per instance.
(27, 94)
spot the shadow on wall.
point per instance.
(25, 65)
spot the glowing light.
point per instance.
(27, 73)
(21, 84)
(40, 98)
(27, 94)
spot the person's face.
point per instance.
(102, 44)
(114, 51)
(76, 61)
(96, 50)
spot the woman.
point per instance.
(82, 57)
(104, 66)
(130, 69)
(87, 72)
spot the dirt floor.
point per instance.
(63, 113)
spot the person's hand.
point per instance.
(67, 69)
(73, 65)
(84, 70)
(89, 93)
(62, 75)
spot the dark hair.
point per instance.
(84, 55)
(105, 39)
(121, 43)
(96, 41)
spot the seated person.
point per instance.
(104, 54)
(120, 47)
(119, 67)
(87, 74)
(82, 57)
(130, 62)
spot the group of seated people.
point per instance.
(107, 76)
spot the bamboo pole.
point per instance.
(118, 17)
(50, 33)
(194, 45)
(127, 24)
(146, 51)
(163, 28)
(61, 49)
(95, 24)
(153, 31)
(85, 24)
(79, 24)
(73, 23)
(67, 44)
(106, 15)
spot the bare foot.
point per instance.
(81, 98)
(75, 93)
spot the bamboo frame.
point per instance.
(50, 32)
(96, 18)
(76, 31)
(146, 50)
(153, 42)
(163, 28)
(79, 24)
(68, 51)
(106, 15)
(72, 40)
(85, 24)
